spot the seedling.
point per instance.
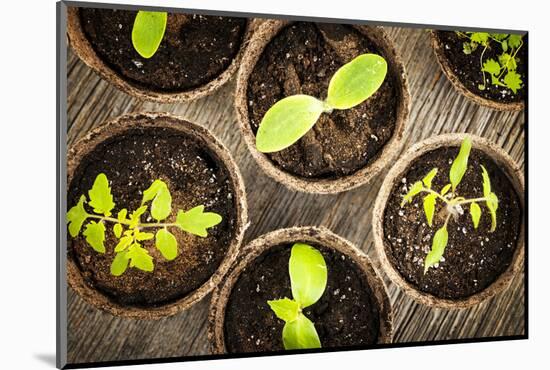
(502, 71)
(453, 202)
(148, 32)
(129, 250)
(308, 280)
(292, 117)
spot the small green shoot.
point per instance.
(502, 71)
(453, 202)
(148, 32)
(308, 280)
(292, 117)
(129, 250)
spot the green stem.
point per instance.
(426, 190)
(482, 199)
(482, 70)
(127, 222)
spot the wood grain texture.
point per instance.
(436, 108)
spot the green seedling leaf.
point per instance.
(285, 309)
(507, 61)
(148, 32)
(161, 206)
(117, 230)
(308, 274)
(429, 207)
(140, 258)
(467, 48)
(492, 205)
(100, 195)
(480, 37)
(135, 217)
(300, 334)
(415, 189)
(499, 36)
(439, 243)
(122, 215)
(486, 182)
(445, 189)
(196, 221)
(427, 180)
(120, 263)
(514, 41)
(167, 244)
(513, 81)
(287, 121)
(140, 236)
(475, 212)
(124, 243)
(356, 81)
(460, 164)
(76, 217)
(95, 235)
(491, 66)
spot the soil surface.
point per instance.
(194, 51)
(346, 315)
(194, 175)
(473, 259)
(468, 69)
(302, 59)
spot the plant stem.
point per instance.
(127, 222)
(466, 201)
(482, 70)
(426, 190)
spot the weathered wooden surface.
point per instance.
(436, 108)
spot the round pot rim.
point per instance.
(84, 50)
(443, 62)
(261, 38)
(119, 125)
(320, 235)
(515, 175)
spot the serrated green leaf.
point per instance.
(124, 243)
(148, 32)
(514, 41)
(287, 121)
(95, 235)
(513, 81)
(427, 180)
(356, 81)
(122, 214)
(460, 164)
(300, 334)
(429, 207)
(308, 274)
(439, 243)
(480, 37)
(161, 206)
(492, 205)
(117, 229)
(76, 217)
(196, 221)
(140, 258)
(135, 217)
(499, 36)
(415, 189)
(507, 61)
(167, 244)
(101, 199)
(467, 48)
(285, 309)
(445, 189)
(475, 212)
(491, 66)
(120, 263)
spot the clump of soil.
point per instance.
(194, 175)
(346, 315)
(468, 68)
(301, 59)
(473, 258)
(194, 51)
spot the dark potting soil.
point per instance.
(346, 315)
(194, 175)
(302, 59)
(473, 259)
(194, 51)
(468, 69)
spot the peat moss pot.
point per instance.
(352, 310)
(465, 256)
(197, 53)
(344, 148)
(482, 66)
(127, 171)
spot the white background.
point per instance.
(27, 181)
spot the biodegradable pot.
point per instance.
(374, 36)
(506, 176)
(173, 285)
(83, 48)
(449, 71)
(277, 244)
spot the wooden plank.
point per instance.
(436, 108)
